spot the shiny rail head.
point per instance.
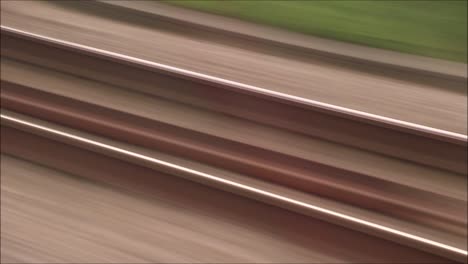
(331, 214)
(297, 100)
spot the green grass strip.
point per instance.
(430, 28)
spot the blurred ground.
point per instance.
(49, 216)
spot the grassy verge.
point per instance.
(430, 28)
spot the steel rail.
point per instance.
(393, 198)
(429, 245)
(247, 87)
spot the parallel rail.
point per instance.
(415, 143)
(426, 145)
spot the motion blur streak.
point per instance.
(152, 131)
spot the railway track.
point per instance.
(375, 176)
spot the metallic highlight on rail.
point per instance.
(247, 87)
(240, 186)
